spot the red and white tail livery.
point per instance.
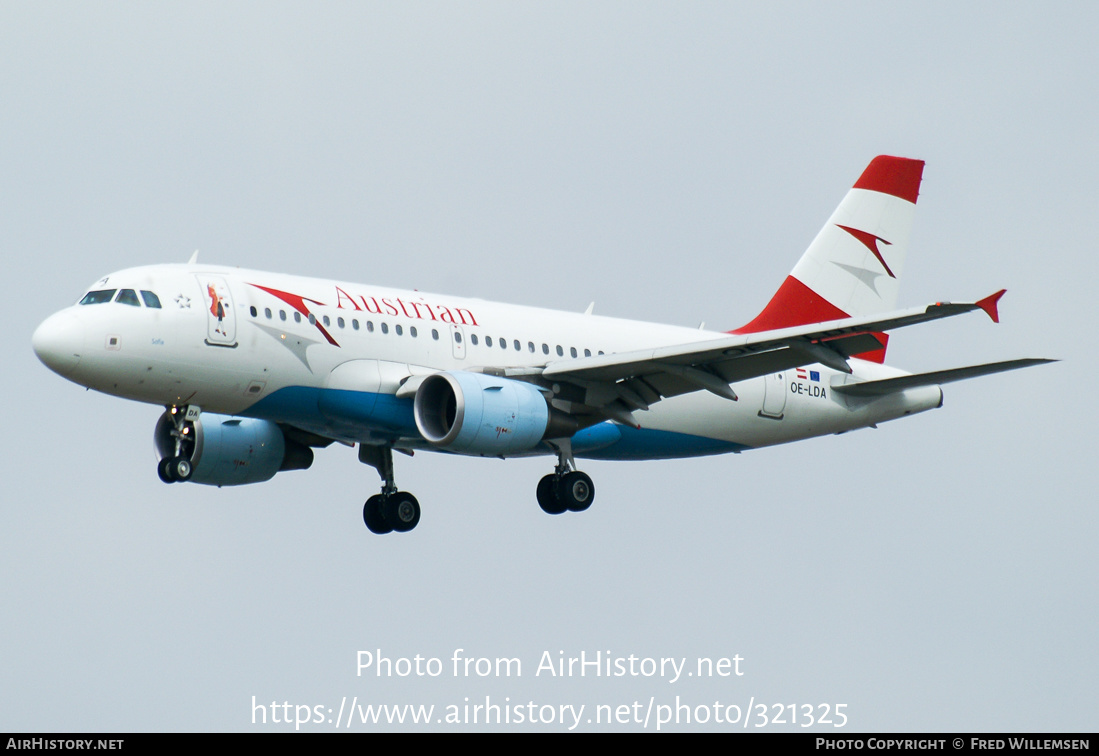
(854, 265)
(256, 370)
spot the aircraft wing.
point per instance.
(640, 378)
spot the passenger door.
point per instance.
(221, 322)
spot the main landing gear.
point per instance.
(565, 489)
(391, 510)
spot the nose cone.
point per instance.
(59, 342)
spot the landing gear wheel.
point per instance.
(401, 511)
(372, 515)
(575, 491)
(180, 468)
(547, 496)
(391, 510)
(164, 470)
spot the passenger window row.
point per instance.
(399, 330)
(341, 323)
(518, 345)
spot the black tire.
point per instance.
(547, 496)
(164, 470)
(181, 469)
(372, 516)
(575, 491)
(401, 511)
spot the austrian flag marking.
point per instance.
(804, 385)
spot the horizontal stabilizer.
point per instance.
(891, 385)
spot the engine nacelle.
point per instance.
(232, 451)
(475, 413)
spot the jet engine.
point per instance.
(474, 413)
(225, 451)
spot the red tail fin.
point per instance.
(854, 264)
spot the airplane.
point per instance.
(256, 370)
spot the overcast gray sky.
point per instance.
(670, 162)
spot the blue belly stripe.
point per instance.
(315, 408)
(647, 443)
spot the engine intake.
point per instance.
(482, 414)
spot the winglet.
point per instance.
(988, 304)
(194, 258)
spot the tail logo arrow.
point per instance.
(871, 243)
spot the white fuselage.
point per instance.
(328, 357)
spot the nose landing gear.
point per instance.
(175, 469)
(176, 466)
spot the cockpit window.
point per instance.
(151, 299)
(128, 297)
(98, 297)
